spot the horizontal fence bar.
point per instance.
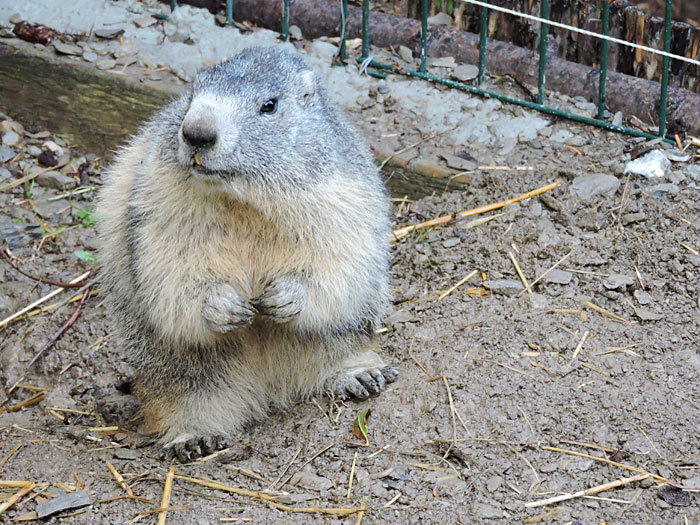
(525, 103)
(582, 31)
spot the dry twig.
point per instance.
(593, 490)
(165, 500)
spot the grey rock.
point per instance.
(440, 19)
(56, 180)
(400, 316)
(642, 297)
(144, 21)
(33, 150)
(663, 190)
(537, 301)
(560, 135)
(630, 218)
(310, 481)
(5, 174)
(449, 486)
(49, 210)
(67, 49)
(17, 235)
(106, 64)
(493, 483)
(647, 315)
(444, 62)
(15, 18)
(10, 138)
(127, 454)
(487, 512)
(465, 73)
(588, 186)
(458, 163)
(617, 119)
(6, 152)
(406, 54)
(126, 49)
(108, 33)
(557, 276)
(449, 243)
(503, 286)
(653, 164)
(70, 500)
(89, 56)
(616, 281)
(295, 33)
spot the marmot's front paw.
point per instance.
(224, 309)
(283, 299)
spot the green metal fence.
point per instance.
(381, 69)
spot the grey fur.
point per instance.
(245, 251)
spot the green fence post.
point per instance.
(365, 29)
(229, 12)
(285, 20)
(343, 28)
(544, 14)
(482, 41)
(664, 69)
(173, 5)
(603, 61)
(423, 33)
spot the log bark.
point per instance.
(630, 95)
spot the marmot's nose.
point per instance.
(198, 135)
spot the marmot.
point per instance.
(244, 246)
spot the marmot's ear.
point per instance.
(307, 87)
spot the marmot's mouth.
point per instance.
(196, 159)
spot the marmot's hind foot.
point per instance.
(364, 382)
(187, 448)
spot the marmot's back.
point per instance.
(244, 237)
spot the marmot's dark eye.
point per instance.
(269, 107)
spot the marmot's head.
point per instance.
(261, 116)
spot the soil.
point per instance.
(495, 385)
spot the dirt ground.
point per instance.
(503, 399)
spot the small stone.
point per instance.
(127, 454)
(11, 125)
(557, 276)
(653, 164)
(616, 281)
(5, 174)
(383, 90)
(503, 286)
(53, 147)
(537, 301)
(561, 135)
(17, 235)
(109, 33)
(400, 316)
(663, 190)
(588, 186)
(449, 243)
(647, 315)
(32, 150)
(675, 496)
(444, 62)
(67, 49)
(6, 153)
(15, 18)
(458, 163)
(106, 64)
(493, 483)
(642, 297)
(56, 180)
(630, 218)
(617, 119)
(295, 33)
(440, 19)
(66, 501)
(487, 512)
(465, 73)
(126, 49)
(310, 481)
(48, 158)
(10, 138)
(89, 56)
(406, 54)
(144, 21)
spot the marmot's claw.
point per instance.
(283, 299)
(365, 382)
(188, 449)
(224, 309)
